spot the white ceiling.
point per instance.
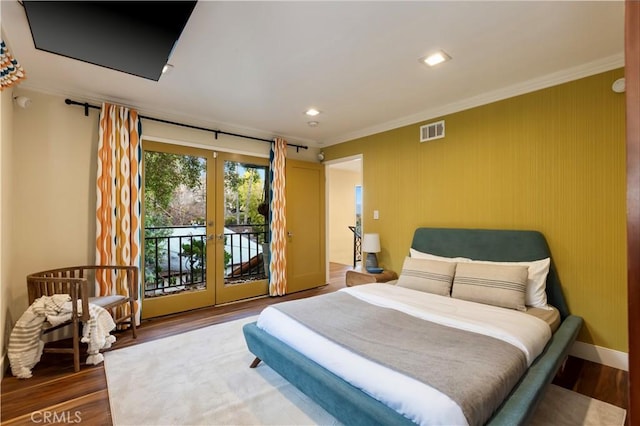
(255, 67)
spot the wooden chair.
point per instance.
(75, 282)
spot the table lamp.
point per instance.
(371, 246)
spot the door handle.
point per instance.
(289, 234)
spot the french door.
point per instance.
(203, 233)
(242, 231)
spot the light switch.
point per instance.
(376, 214)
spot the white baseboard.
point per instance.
(604, 356)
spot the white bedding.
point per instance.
(409, 397)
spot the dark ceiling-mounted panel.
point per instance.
(136, 37)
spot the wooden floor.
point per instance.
(55, 394)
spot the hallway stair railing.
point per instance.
(357, 245)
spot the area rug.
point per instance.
(202, 377)
(561, 406)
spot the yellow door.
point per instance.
(306, 266)
(178, 222)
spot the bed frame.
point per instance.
(353, 407)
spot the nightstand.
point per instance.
(359, 276)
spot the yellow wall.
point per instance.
(551, 160)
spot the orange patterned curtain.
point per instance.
(118, 195)
(278, 222)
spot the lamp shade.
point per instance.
(371, 243)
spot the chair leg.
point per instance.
(133, 319)
(76, 346)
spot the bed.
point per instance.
(331, 367)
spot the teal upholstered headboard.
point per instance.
(496, 245)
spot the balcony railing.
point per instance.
(245, 253)
(175, 257)
(357, 245)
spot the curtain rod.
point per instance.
(215, 132)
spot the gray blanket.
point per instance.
(475, 371)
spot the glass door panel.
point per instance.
(178, 223)
(242, 227)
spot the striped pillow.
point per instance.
(536, 283)
(430, 276)
(498, 285)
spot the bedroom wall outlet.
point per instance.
(376, 214)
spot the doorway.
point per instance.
(344, 210)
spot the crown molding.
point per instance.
(549, 80)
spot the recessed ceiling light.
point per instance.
(313, 123)
(312, 112)
(435, 58)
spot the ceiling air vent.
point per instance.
(432, 131)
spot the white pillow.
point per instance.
(536, 281)
(421, 255)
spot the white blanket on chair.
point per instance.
(25, 342)
(96, 333)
